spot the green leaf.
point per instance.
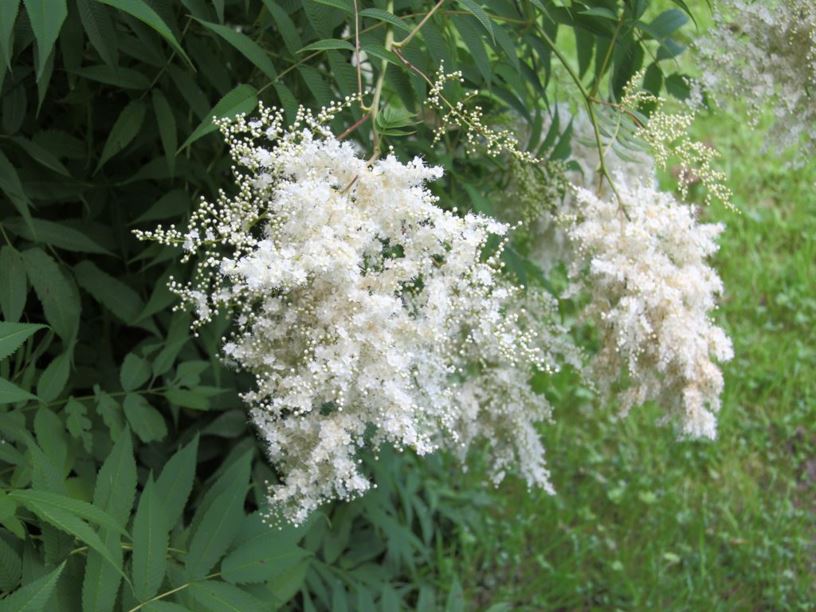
(260, 559)
(78, 424)
(217, 596)
(41, 155)
(176, 481)
(134, 372)
(599, 11)
(118, 76)
(8, 16)
(187, 399)
(144, 419)
(110, 411)
(665, 24)
(13, 283)
(109, 291)
(10, 185)
(328, 44)
(217, 529)
(11, 566)
(478, 12)
(116, 482)
(149, 544)
(98, 24)
(172, 204)
(141, 11)
(11, 393)
(57, 293)
(286, 28)
(58, 235)
(381, 15)
(45, 500)
(114, 493)
(55, 376)
(124, 130)
(167, 128)
(246, 46)
(12, 335)
(241, 99)
(75, 526)
(466, 26)
(46, 18)
(343, 5)
(34, 596)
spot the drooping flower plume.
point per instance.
(366, 313)
(643, 262)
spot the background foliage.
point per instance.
(129, 478)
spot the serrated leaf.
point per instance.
(217, 596)
(241, 99)
(11, 393)
(176, 481)
(167, 128)
(77, 423)
(114, 493)
(260, 559)
(12, 335)
(144, 419)
(468, 30)
(8, 16)
(13, 283)
(46, 18)
(98, 25)
(10, 185)
(665, 24)
(40, 155)
(343, 5)
(142, 11)
(124, 130)
(385, 16)
(599, 11)
(246, 46)
(328, 44)
(478, 12)
(150, 542)
(111, 413)
(118, 76)
(116, 482)
(164, 606)
(286, 28)
(11, 567)
(75, 526)
(187, 398)
(58, 235)
(172, 204)
(39, 500)
(216, 530)
(34, 596)
(134, 372)
(54, 377)
(109, 291)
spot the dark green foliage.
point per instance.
(128, 470)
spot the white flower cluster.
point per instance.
(651, 295)
(760, 52)
(366, 313)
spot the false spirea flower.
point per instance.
(760, 53)
(652, 293)
(365, 313)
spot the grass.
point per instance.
(645, 521)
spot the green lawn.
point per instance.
(644, 521)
